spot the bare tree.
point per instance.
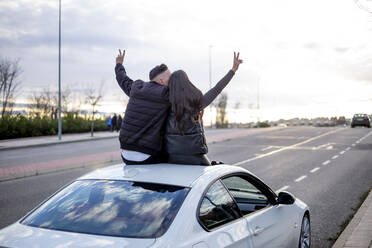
(237, 105)
(221, 119)
(76, 99)
(9, 73)
(93, 97)
(45, 103)
(236, 110)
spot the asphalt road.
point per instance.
(328, 168)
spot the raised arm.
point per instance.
(124, 81)
(209, 97)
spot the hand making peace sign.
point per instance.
(120, 57)
(237, 62)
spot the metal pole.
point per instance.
(59, 76)
(210, 78)
(258, 92)
(258, 99)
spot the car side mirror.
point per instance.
(286, 198)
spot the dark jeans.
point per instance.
(153, 159)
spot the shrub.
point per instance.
(20, 126)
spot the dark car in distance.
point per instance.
(360, 120)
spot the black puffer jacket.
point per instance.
(143, 125)
(192, 141)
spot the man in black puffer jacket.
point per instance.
(142, 131)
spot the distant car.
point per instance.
(341, 121)
(360, 120)
(164, 205)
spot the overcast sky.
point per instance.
(310, 58)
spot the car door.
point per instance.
(219, 215)
(272, 225)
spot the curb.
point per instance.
(351, 237)
(56, 143)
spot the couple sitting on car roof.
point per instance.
(163, 119)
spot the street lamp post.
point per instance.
(258, 98)
(210, 78)
(59, 75)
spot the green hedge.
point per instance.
(20, 126)
(262, 124)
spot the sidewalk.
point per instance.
(213, 135)
(359, 231)
(51, 140)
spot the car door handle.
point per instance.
(257, 230)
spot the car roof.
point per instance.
(171, 174)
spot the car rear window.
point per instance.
(113, 208)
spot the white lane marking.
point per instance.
(326, 162)
(342, 152)
(300, 178)
(287, 147)
(347, 149)
(282, 189)
(323, 146)
(358, 141)
(267, 148)
(315, 169)
(335, 156)
(353, 145)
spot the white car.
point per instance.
(164, 205)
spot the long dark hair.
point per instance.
(185, 98)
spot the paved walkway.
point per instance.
(358, 233)
(50, 140)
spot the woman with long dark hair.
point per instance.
(185, 141)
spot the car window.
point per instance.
(113, 208)
(217, 207)
(248, 197)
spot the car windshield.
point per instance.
(113, 208)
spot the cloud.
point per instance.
(341, 49)
(269, 35)
(312, 45)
